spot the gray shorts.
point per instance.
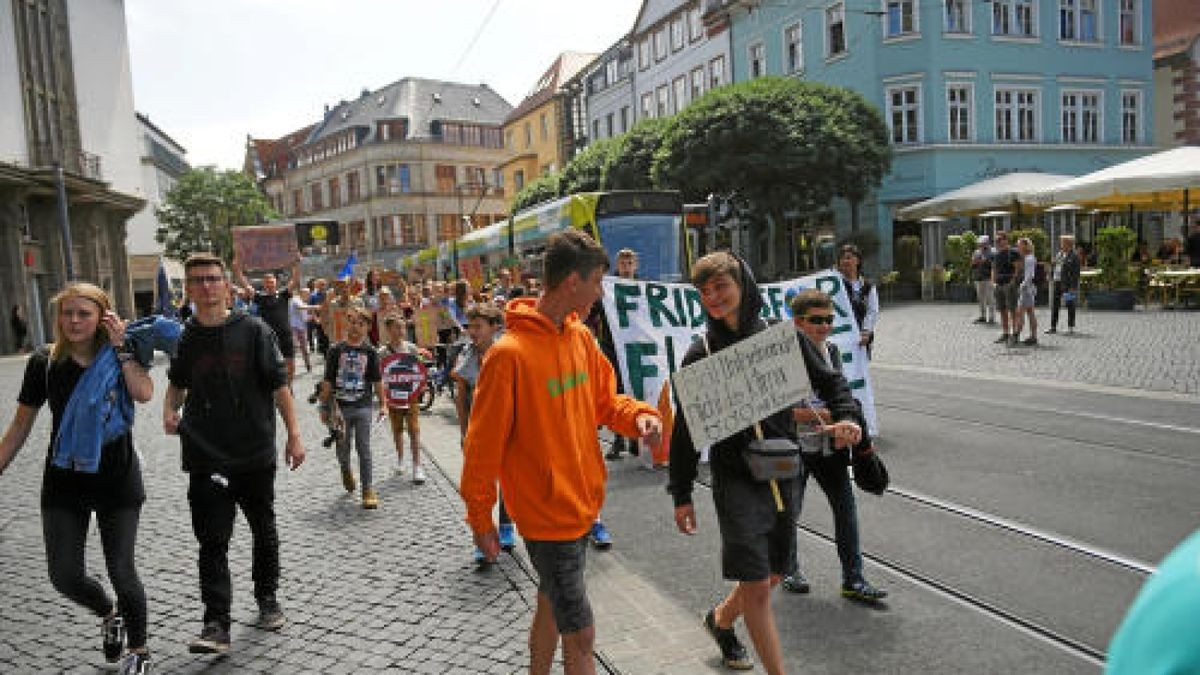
(1006, 297)
(756, 539)
(559, 566)
(1026, 295)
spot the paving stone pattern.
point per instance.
(1155, 350)
(390, 590)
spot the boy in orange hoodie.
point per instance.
(550, 466)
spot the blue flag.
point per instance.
(348, 269)
(162, 289)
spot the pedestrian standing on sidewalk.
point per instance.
(91, 466)
(981, 272)
(543, 390)
(484, 323)
(230, 373)
(758, 541)
(1004, 282)
(351, 373)
(627, 266)
(1026, 294)
(297, 313)
(403, 416)
(864, 300)
(812, 312)
(1066, 283)
(20, 329)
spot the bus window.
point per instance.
(655, 238)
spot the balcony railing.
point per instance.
(78, 162)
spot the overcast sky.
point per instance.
(209, 72)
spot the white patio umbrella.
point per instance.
(1161, 180)
(986, 195)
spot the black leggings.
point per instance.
(65, 530)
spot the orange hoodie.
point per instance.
(541, 394)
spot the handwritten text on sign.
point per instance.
(742, 384)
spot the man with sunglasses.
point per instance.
(1004, 281)
(812, 312)
(229, 369)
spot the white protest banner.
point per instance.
(654, 323)
(742, 384)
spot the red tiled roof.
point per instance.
(1176, 26)
(274, 152)
(564, 68)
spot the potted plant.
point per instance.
(959, 249)
(1114, 248)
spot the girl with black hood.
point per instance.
(758, 541)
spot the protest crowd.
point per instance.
(546, 345)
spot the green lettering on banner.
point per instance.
(621, 295)
(655, 295)
(695, 308)
(677, 296)
(775, 302)
(858, 384)
(832, 286)
(640, 369)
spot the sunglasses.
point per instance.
(206, 279)
(818, 319)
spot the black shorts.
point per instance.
(757, 540)
(559, 566)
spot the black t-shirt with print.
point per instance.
(118, 481)
(1006, 265)
(352, 370)
(273, 309)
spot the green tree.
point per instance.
(632, 160)
(586, 172)
(776, 143)
(205, 203)
(542, 189)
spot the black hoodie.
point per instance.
(230, 373)
(725, 457)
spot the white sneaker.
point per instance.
(400, 469)
(418, 475)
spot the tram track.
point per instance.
(1039, 629)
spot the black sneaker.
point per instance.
(1002, 339)
(733, 654)
(615, 450)
(214, 639)
(1051, 330)
(134, 663)
(795, 583)
(270, 615)
(980, 320)
(1030, 341)
(112, 634)
(863, 592)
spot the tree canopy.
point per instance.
(631, 161)
(205, 203)
(541, 189)
(586, 172)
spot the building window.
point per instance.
(508, 140)
(697, 82)
(1131, 112)
(595, 129)
(1013, 18)
(545, 124)
(1128, 23)
(314, 196)
(901, 17)
(680, 87)
(624, 118)
(662, 101)
(335, 193)
(644, 54)
(448, 227)
(793, 49)
(392, 179)
(297, 201)
(609, 123)
(716, 72)
(958, 113)
(647, 105)
(353, 188)
(695, 24)
(677, 33)
(1080, 117)
(610, 71)
(1016, 115)
(519, 180)
(528, 135)
(835, 30)
(660, 44)
(447, 177)
(1077, 20)
(904, 114)
(958, 16)
(758, 60)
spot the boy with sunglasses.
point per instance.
(812, 312)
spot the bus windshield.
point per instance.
(655, 238)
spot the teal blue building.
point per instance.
(970, 89)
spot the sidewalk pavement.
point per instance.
(391, 590)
